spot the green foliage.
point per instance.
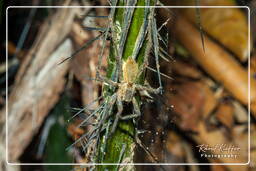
(58, 139)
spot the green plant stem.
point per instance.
(119, 147)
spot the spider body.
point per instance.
(126, 90)
(123, 86)
(130, 71)
(127, 87)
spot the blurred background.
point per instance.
(205, 104)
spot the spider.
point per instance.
(125, 83)
(126, 90)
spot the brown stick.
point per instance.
(38, 83)
(217, 62)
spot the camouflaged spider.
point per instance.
(126, 90)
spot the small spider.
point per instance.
(126, 90)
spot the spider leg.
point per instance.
(106, 80)
(149, 89)
(136, 110)
(118, 115)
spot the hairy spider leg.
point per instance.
(148, 89)
(107, 81)
(136, 108)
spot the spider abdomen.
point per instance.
(130, 71)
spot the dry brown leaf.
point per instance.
(192, 101)
(75, 131)
(218, 168)
(185, 69)
(225, 114)
(187, 101)
(210, 100)
(217, 62)
(253, 161)
(240, 137)
(253, 67)
(174, 145)
(212, 138)
(253, 136)
(241, 114)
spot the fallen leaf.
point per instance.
(226, 25)
(225, 114)
(191, 101)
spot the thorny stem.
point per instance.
(130, 38)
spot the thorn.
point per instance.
(97, 16)
(198, 19)
(166, 53)
(160, 73)
(85, 108)
(87, 44)
(95, 28)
